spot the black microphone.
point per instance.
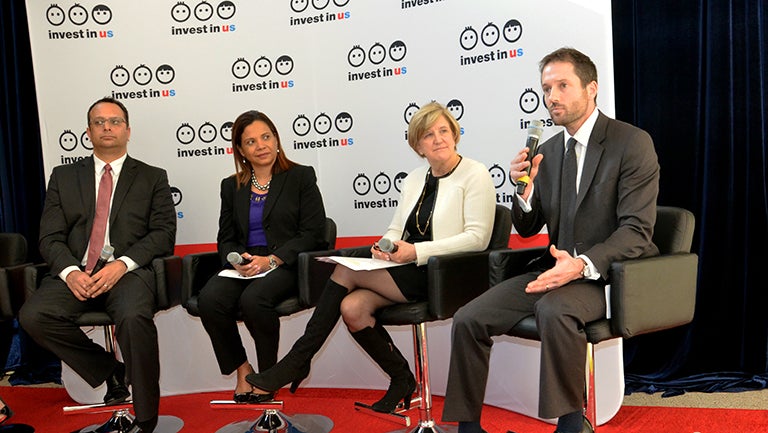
(535, 129)
(104, 256)
(387, 246)
(235, 258)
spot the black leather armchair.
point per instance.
(13, 256)
(168, 281)
(646, 295)
(453, 280)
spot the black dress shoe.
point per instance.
(586, 427)
(253, 398)
(117, 392)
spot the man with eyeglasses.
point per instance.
(112, 200)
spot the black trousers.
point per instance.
(222, 301)
(48, 317)
(560, 317)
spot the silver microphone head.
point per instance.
(536, 128)
(107, 252)
(234, 258)
(387, 245)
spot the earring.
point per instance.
(278, 150)
(244, 161)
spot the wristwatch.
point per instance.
(272, 262)
(586, 271)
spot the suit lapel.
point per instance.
(242, 205)
(275, 188)
(86, 180)
(592, 158)
(127, 176)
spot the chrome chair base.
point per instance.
(97, 408)
(272, 420)
(398, 415)
(121, 421)
(430, 427)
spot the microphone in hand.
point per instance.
(235, 258)
(535, 129)
(387, 246)
(104, 256)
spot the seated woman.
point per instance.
(446, 207)
(271, 210)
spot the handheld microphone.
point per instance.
(235, 258)
(104, 256)
(535, 129)
(387, 246)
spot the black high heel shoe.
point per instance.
(277, 377)
(402, 389)
(250, 397)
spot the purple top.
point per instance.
(256, 235)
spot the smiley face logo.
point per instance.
(78, 15)
(180, 12)
(529, 101)
(377, 53)
(468, 38)
(119, 76)
(142, 75)
(398, 182)
(343, 122)
(102, 14)
(176, 195)
(241, 68)
(225, 10)
(207, 132)
(497, 175)
(322, 123)
(68, 140)
(361, 184)
(165, 74)
(284, 65)
(299, 5)
(490, 35)
(397, 51)
(301, 125)
(226, 131)
(185, 134)
(320, 4)
(382, 183)
(410, 110)
(456, 108)
(262, 66)
(513, 30)
(356, 56)
(203, 11)
(85, 141)
(340, 2)
(55, 15)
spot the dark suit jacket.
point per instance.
(294, 216)
(142, 220)
(616, 203)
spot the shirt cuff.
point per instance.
(525, 205)
(129, 263)
(591, 272)
(66, 271)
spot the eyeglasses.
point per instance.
(113, 121)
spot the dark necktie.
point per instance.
(567, 198)
(99, 229)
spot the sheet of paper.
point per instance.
(231, 273)
(359, 263)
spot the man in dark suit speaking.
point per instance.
(108, 199)
(594, 186)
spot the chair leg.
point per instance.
(590, 410)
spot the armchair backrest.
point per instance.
(502, 227)
(13, 249)
(673, 232)
(13, 255)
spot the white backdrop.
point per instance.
(340, 79)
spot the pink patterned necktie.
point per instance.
(99, 230)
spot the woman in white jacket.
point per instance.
(446, 207)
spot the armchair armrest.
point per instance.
(168, 281)
(313, 274)
(196, 270)
(11, 290)
(652, 294)
(454, 280)
(505, 264)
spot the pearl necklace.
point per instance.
(256, 183)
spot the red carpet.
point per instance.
(41, 408)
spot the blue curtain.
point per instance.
(22, 185)
(695, 75)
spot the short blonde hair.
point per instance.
(425, 118)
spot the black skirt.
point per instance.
(411, 280)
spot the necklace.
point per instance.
(418, 209)
(257, 185)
